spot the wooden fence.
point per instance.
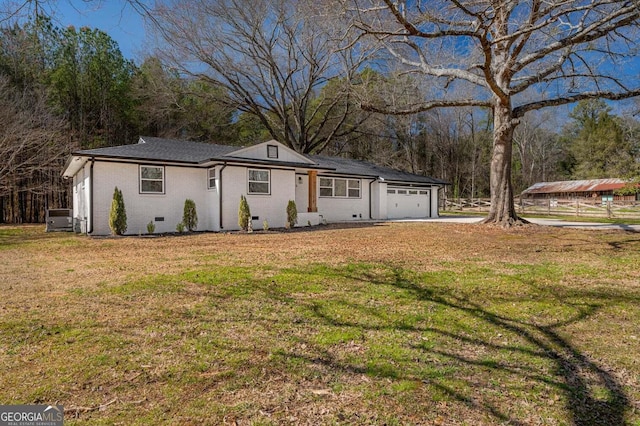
(554, 207)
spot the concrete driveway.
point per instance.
(546, 222)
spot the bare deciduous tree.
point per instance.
(33, 146)
(29, 136)
(274, 58)
(539, 151)
(512, 56)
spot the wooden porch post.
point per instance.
(313, 196)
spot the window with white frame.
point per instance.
(326, 187)
(353, 188)
(211, 178)
(340, 188)
(259, 181)
(151, 179)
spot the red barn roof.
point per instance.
(571, 186)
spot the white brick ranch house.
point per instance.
(157, 175)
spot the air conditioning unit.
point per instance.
(59, 220)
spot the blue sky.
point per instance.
(115, 17)
(126, 26)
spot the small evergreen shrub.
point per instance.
(244, 213)
(180, 227)
(265, 225)
(292, 213)
(189, 215)
(118, 213)
(151, 227)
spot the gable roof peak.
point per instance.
(259, 151)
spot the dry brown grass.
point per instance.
(367, 324)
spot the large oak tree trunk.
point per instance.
(502, 210)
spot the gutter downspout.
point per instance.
(224, 166)
(378, 179)
(90, 230)
(438, 199)
(371, 199)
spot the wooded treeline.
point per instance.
(71, 88)
(302, 83)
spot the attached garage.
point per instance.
(370, 191)
(408, 203)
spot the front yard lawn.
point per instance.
(413, 323)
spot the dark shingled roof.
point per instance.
(364, 168)
(163, 150)
(159, 149)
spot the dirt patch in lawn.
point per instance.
(377, 323)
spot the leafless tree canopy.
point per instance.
(531, 54)
(34, 144)
(29, 136)
(276, 59)
(512, 56)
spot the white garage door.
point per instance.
(407, 203)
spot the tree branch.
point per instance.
(426, 106)
(521, 110)
(595, 31)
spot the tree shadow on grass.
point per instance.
(625, 244)
(582, 241)
(593, 395)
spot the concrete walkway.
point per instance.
(545, 222)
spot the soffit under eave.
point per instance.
(74, 164)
